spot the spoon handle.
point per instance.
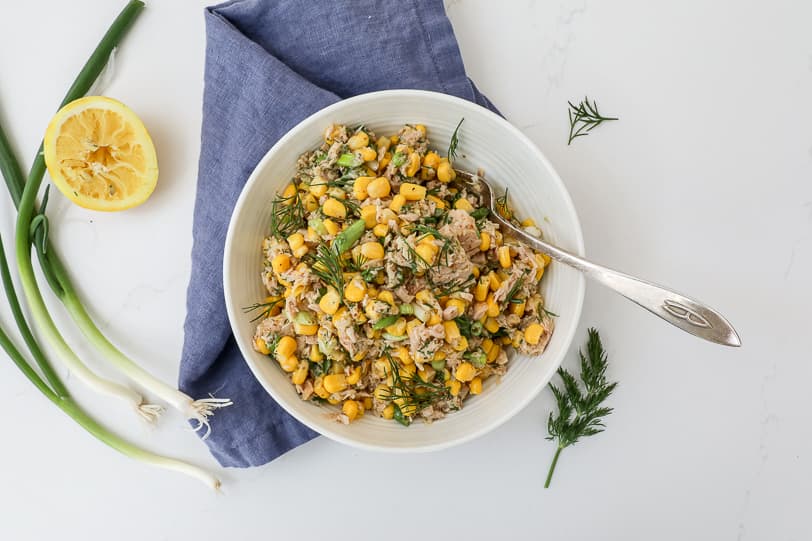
(688, 314)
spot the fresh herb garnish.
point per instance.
(328, 266)
(411, 393)
(455, 140)
(455, 287)
(584, 118)
(287, 215)
(503, 207)
(515, 289)
(580, 413)
(468, 327)
(265, 306)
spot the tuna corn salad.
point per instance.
(390, 291)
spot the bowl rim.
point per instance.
(253, 178)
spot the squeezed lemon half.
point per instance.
(100, 155)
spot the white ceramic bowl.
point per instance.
(487, 141)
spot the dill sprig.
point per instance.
(455, 140)
(412, 393)
(504, 209)
(328, 266)
(442, 254)
(580, 412)
(287, 215)
(455, 287)
(265, 306)
(509, 298)
(584, 118)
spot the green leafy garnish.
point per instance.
(584, 118)
(412, 393)
(287, 215)
(327, 265)
(580, 412)
(455, 140)
(265, 307)
(349, 160)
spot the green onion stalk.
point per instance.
(31, 222)
(54, 390)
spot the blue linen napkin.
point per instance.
(270, 64)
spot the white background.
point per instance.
(705, 183)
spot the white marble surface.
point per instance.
(705, 184)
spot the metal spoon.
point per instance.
(684, 312)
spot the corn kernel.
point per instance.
(280, 263)
(439, 203)
(395, 139)
(388, 412)
(261, 346)
(367, 403)
(397, 202)
(486, 345)
(367, 154)
(372, 250)
(290, 191)
(305, 330)
(463, 204)
(402, 353)
(331, 227)
(484, 241)
(426, 252)
(475, 271)
(359, 187)
(453, 386)
(289, 364)
(380, 230)
(335, 208)
(412, 192)
(547, 259)
(300, 375)
(459, 304)
(503, 253)
(421, 128)
(285, 347)
(354, 376)
(481, 289)
(318, 189)
(412, 323)
(355, 290)
(528, 222)
(398, 328)
(461, 344)
(318, 387)
(379, 188)
(506, 340)
(518, 308)
(315, 353)
(295, 240)
(387, 157)
(533, 332)
(476, 385)
(452, 331)
(445, 173)
(359, 140)
(383, 142)
(493, 307)
(434, 319)
(413, 164)
(330, 301)
(335, 383)
(387, 297)
(494, 353)
(431, 159)
(465, 372)
(351, 409)
(381, 392)
(491, 325)
(493, 281)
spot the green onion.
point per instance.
(480, 213)
(57, 275)
(406, 309)
(318, 225)
(399, 417)
(348, 237)
(398, 159)
(438, 365)
(477, 358)
(58, 394)
(349, 160)
(384, 322)
(305, 318)
(393, 338)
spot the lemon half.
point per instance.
(100, 155)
